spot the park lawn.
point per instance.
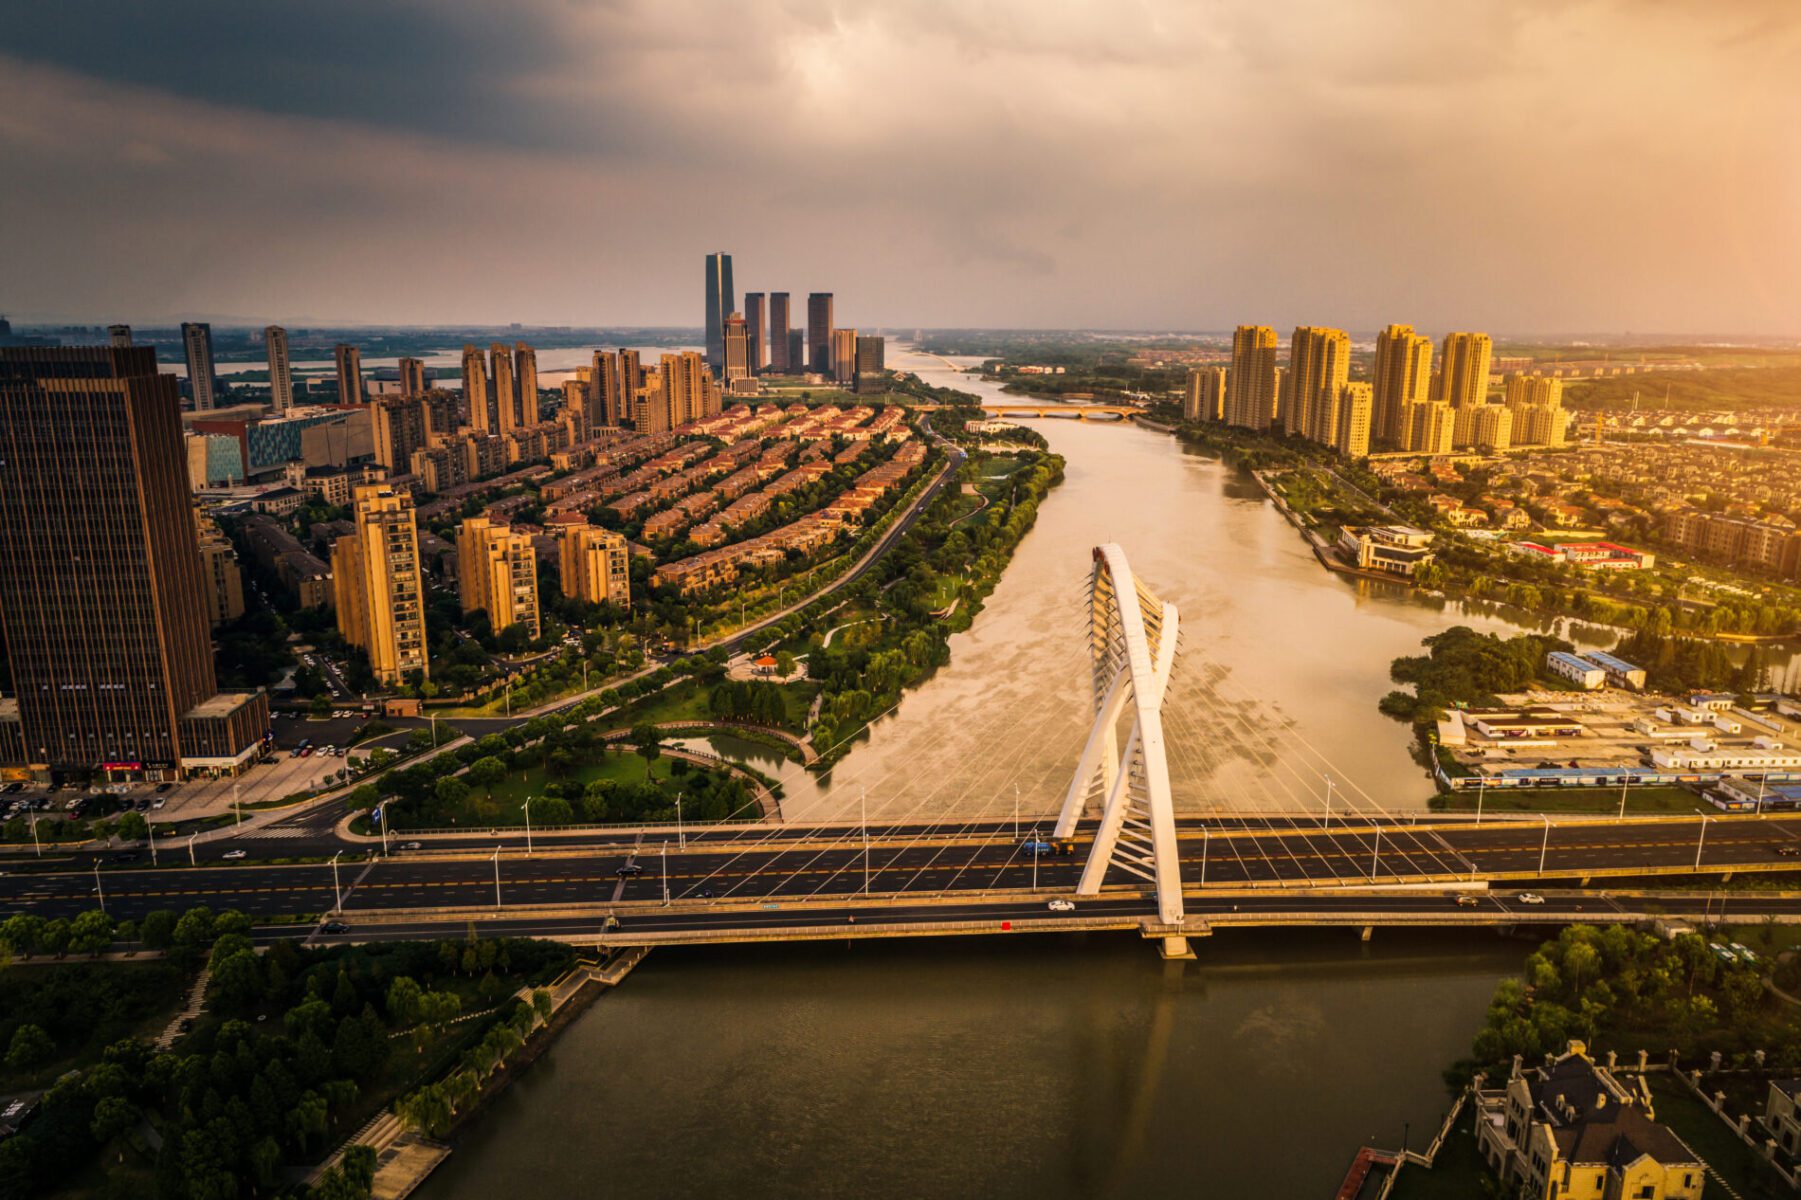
(1456, 1174)
(687, 702)
(618, 766)
(1737, 1164)
(1639, 800)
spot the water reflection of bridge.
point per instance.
(1076, 411)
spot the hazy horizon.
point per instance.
(1146, 166)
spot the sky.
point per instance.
(1538, 166)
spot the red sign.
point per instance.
(1006, 926)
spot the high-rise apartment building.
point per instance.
(651, 409)
(412, 376)
(872, 362)
(594, 565)
(1428, 427)
(753, 323)
(779, 362)
(118, 336)
(497, 571)
(400, 425)
(503, 395)
(1493, 427)
(350, 373)
(687, 391)
(1252, 383)
(737, 348)
(379, 590)
(1206, 397)
(103, 592)
(1403, 376)
(819, 332)
(1463, 361)
(203, 375)
(605, 406)
(1351, 425)
(721, 303)
(525, 386)
(844, 355)
(476, 393)
(281, 372)
(219, 569)
(1319, 363)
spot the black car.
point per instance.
(628, 870)
(129, 856)
(335, 927)
(163, 787)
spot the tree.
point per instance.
(486, 772)
(157, 929)
(404, 1000)
(113, 1115)
(133, 827)
(30, 1046)
(91, 932)
(649, 743)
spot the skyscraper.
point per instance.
(350, 373)
(197, 341)
(737, 348)
(1403, 376)
(844, 355)
(525, 385)
(819, 332)
(753, 323)
(1251, 384)
(721, 302)
(1206, 399)
(594, 565)
(685, 388)
(379, 592)
(779, 361)
(412, 376)
(1351, 424)
(1427, 427)
(103, 599)
(603, 390)
(118, 336)
(476, 394)
(797, 351)
(281, 376)
(1319, 362)
(1463, 362)
(497, 571)
(500, 387)
(631, 382)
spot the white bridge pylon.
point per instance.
(1132, 647)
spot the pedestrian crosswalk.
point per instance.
(277, 832)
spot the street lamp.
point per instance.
(1623, 781)
(1376, 855)
(98, 889)
(1328, 825)
(1206, 839)
(150, 836)
(1034, 858)
(35, 844)
(1544, 848)
(236, 805)
(863, 812)
(337, 892)
(663, 871)
(681, 836)
(1481, 788)
(192, 862)
(528, 827)
(1016, 812)
(1701, 842)
(497, 877)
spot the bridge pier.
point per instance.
(1174, 948)
(1368, 931)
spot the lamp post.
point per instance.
(1376, 855)
(1760, 782)
(681, 835)
(237, 805)
(98, 889)
(1034, 858)
(497, 878)
(663, 871)
(192, 861)
(1701, 842)
(528, 826)
(1016, 812)
(1206, 840)
(337, 892)
(1623, 799)
(1545, 847)
(1481, 787)
(1328, 825)
(150, 836)
(35, 844)
(863, 812)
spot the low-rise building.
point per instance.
(1572, 1129)
(1392, 549)
(1576, 669)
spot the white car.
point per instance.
(1062, 906)
(1530, 898)
(234, 854)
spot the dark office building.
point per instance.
(797, 351)
(754, 330)
(721, 303)
(819, 332)
(102, 594)
(779, 362)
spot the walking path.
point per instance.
(195, 1006)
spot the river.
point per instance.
(1049, 1067)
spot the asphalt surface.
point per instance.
(741, 867)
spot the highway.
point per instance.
(726, 875)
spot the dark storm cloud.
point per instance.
(1512, 164)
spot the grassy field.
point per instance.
(1722, 388)
(1642, 801)
(1456, 1173)
(621, 766)
(1735, 1163)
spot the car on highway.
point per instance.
(411, 846)
(334, 927)
(1788, 850)
(1062, 906)
(629, 870)
(1530, 898)
(1465, 900)
(235, 854)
